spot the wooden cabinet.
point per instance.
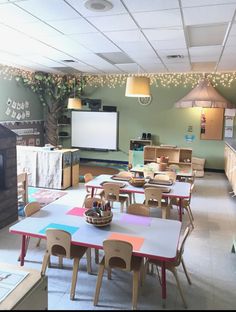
(230, 165)
(180, 156)
(30, 294)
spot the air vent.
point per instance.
(68, 61)
(175, 56)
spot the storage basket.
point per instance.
(91, 217)
(137, 182)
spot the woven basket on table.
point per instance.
(137, 182)
(91, 218)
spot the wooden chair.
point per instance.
(59, 244)
(153, 198)
(88, 177)
(29, 210)
(22, 188)
(118, 255)
(112, 194)
(171, 266)
(139, 209)
(127, 175)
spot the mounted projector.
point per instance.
(98, 5)
(93, 104)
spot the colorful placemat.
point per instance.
(134, 240)
(67, 228)
(44, 196)
(77, 211)
(138, 220)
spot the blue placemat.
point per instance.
(67, 228)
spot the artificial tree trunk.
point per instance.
(54, 111)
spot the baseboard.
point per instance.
(104, 161)
(214, 170)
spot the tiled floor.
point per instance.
(208, 257)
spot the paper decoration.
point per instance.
(134, 240)
(77, 211)
(18, 110)
(138, 220)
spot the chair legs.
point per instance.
(38, 242)
(89, 263)
(135, 289)
(74, 278)
(185, 271)
(99, 281)
(174, 271)
(46, 260)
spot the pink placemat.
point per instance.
(76, 211)
(135, 241)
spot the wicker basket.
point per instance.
(137, 182)
(91, 217)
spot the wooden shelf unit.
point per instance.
(180, 156)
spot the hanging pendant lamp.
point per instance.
(138, 87)
(203, 95)
(74, 103)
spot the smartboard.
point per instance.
(94, 130)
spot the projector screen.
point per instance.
(94, 130)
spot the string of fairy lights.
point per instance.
(114, 80)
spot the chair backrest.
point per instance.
(153, 195)
(88, 177)
(125, 174)
(172, 175)
(31, 208)
(111, 190)
(88, 202)
(118, 254)
(58, 242)
(22, 182)
(139, 209)
(181, 246)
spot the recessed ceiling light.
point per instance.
(98, 5)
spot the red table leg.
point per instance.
(163, 283)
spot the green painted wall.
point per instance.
(167, 124)
(9, 89)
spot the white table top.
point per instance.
(183, 173)
(160, 236)
(178, 189)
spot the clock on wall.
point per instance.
(145, 100)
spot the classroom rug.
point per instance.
(44, 196)
(41, 195)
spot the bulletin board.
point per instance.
(212, 121)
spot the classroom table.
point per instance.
(181, 190)
(154, 238)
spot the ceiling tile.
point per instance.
(179, 67)
(95, 42)
(169, 44)
(208, 14)
(203, 66)
(113, 22)
(164, 33)
(207, 54)
(49, 10)
(73, 26)
(150, 5)
(14, 15)
(157, 19)
(125, 36)
(195, 3)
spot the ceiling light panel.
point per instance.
(150, 5)
(95, 42)
(49, 10)
(117, 8)
(73, 26)
(113, 22)
(157, 19)
(208, 14)
(206, 35)
(115, 57)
